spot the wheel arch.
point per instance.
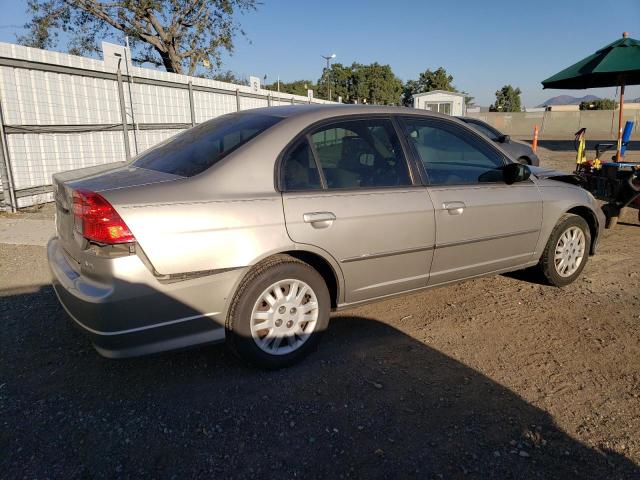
(324, 268)
(590, 217)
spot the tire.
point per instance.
(524, 161)
(611, 222)
(560, 275)
(612, 214)
(287, 336)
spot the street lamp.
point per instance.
(328, 58)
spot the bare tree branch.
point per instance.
(179, 34)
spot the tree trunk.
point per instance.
(171, 60)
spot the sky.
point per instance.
(484, 44)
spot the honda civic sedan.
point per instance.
(252, 227)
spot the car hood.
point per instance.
(519, 142)
(541, 172)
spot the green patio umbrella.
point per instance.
(616, 65)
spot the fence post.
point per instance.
(238, 99)
(191, 105)
(293, 101)
(269, 100)
(5, 168)
(123, 115)
(544, 115)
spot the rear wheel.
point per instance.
(278, 313)
(567, 250)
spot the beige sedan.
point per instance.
(253, 226)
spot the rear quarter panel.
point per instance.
(208, 235)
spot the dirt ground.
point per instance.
(499, 377)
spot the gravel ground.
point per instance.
(498, 377)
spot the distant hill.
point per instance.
(568, 100)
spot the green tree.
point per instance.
(229, 77)
(184, 36)
(297, 87)
(600, 104)
(507, 100)
(468, 99)
(428, 81)
(340, 77)
(374, 84)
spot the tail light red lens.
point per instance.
(97, 220)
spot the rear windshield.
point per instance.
(197, 149)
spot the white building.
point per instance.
(451, 103)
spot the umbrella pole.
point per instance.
(619, 148)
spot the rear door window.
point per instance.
(199, 148)
(299, 168)
(360, 154)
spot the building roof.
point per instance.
(457, 94)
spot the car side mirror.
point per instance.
(515, 172)
(504, 139)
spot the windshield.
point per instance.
(197, 149)
(484, 129)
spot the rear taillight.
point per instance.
(97, 220)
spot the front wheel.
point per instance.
(278, 313)
(567, 250)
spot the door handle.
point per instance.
(319, 219)
(454, 208)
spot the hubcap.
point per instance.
(284, 316)
(569, 251)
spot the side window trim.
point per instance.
(475, 139)
(314, 154)
(402, 121)
(416, 170)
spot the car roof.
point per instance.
(470, 119)
(337, 109)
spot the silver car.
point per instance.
(253, 226)
(519, 150)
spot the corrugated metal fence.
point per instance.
(59, 112)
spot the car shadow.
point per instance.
(372, 402)
(531, 275)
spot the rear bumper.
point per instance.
(127, 312)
